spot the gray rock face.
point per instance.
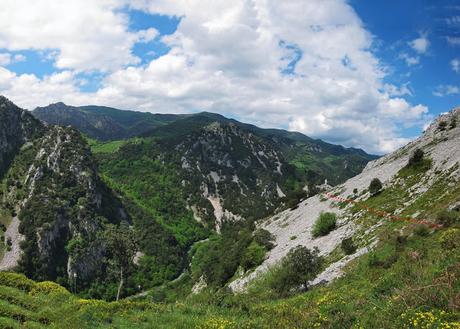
(237, 171)
(53, 184)
(16, 128)
(62, 162)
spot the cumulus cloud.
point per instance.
(453, 41)
(86, 34)
(230, 57)
(421, 44)
(7, 59)
(410, 60)
(446, 90)
(393, 90)
(455, 65)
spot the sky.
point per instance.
(367, 74)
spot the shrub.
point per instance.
(253, 256)
(325, 223)
(442, 125)
(375, 186)
(422, 230)
(447, 217)
(355, 191)
(416, 158)
(453, 123)
(16, 280)
(48, 287)
(300, 266)
(293, 198)
(348, 246)
(450, 239)
(264, 238)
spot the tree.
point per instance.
(122, 247)
(416, 158)
(375, 186)
(253, 256)
(298, 268)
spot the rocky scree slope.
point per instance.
(412, 195)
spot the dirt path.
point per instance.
(11, 258)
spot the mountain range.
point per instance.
(172, 180)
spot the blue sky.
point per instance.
(361, 73)
(396, 23)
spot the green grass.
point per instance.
(106, 147)
(402, 281)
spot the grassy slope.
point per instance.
(405, 292)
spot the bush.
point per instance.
(254, 256)
(325, 223)
(450, 239)
(48, 287)
(442, 125)
(422, 230)
(16, 280)
(375, 186)
(293, 198)
(355, 191)
(348, 246)
(300, 266)
(453, 123)
(264, 238)
(416, 158)
(447, 217)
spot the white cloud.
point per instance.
(86, 34)
(455, 64)
(227, 57)
(453, 41)
(19, 58)
(446, 90)
(421, 44)
(454, 20)
(410, 60)
(5, 59)
(393, 90)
